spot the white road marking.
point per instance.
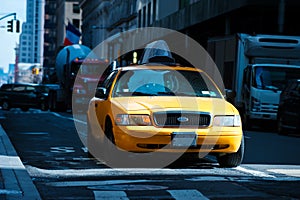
(199, 174)
(11, 162)
(69, 118)
(34, 171)
(288, 172)
(207, 178)
(110, 195)
(187, 194)
(254, 172)
(62, 149)
(60, 116)
(93, 183)
(11, 192)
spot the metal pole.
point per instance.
(10, 14)
(281, 13)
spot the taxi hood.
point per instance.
(148, 105)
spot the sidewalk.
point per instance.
(15, 182)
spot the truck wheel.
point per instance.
(280, 129)
(246, 122)
(5, 105)
(52, 101)
(232, 159)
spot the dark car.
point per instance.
(24, 96)
(289, 108)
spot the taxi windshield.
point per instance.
(164, 82)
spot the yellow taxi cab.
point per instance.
(166, 108)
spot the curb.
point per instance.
(16, 180)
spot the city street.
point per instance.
(60, 167)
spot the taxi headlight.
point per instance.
(232, 120)
(133, 120)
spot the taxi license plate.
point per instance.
(184, 139)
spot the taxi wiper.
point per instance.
(143, 94)
(165, 93)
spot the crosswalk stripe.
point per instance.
(111, 195)
(254, 172)
(187, 194)
(287, 172)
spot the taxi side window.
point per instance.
(108, 82)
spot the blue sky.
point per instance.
(9, 40)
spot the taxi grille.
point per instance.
(176, 119)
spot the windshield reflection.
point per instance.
(164, 83)
(271, 78)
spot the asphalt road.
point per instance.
(53, 153)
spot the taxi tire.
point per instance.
(109, 141)
(90, 141)
(232, 159)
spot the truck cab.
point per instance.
(262, 85)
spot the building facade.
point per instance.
(199, 19)
(107, 19)
(57, 15)
(32, 36)
(50, 35)
(66, 11)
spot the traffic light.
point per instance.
(10, 26)
(17, 26)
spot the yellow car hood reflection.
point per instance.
(146, 105)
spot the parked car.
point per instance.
(151, 107)
(289, 108)
(24, 96)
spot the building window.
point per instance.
(144, 16)
(149, 14)
(76, 23)
(139, 18)
(76, 8)
(154, 11)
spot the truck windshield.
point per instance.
(91, 68)
(274, 78)
(164, 83)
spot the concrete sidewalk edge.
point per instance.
(17, 181)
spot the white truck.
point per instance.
(255, 69)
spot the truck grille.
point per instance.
(176, 119)
(272, 108)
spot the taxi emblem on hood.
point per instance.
(182, 119)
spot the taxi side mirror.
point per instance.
(230, 95)
(101, 93)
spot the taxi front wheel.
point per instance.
(232, 159)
